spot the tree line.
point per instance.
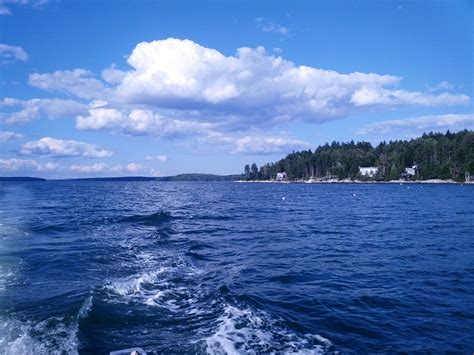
(436, 155)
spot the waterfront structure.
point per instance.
(469, 178)
(281, 176)
(409, 173)
(369, 171)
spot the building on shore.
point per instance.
(469, 178)
(281, 176)
(369, 171)
(409, 173)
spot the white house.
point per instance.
(281, 176)
(368, 171)
(410, 171)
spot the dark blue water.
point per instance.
(91, 267)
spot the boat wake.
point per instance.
(55, 335)
(253, 332)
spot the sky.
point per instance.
(156, 88)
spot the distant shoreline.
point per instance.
(230, 178)
(179, 177)
(349, 181)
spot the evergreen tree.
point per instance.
(247, 172)
(254, 172)
(437, 155)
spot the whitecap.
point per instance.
(251, 332)
(156, 288)
(55, 335)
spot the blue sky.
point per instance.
(102, 88)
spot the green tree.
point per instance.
(247, 171)
(254, 172)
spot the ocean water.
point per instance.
(92, 267)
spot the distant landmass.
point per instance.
(200, 177)
(20, 178)
(448, 156)
(180, 177)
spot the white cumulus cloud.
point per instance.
(175, 88)
(382, 97)
(105, 169)
(94, 168)
(180, 73)
(251, 88)
(253, 143)
(12, 53)
(48, 146)
(267, 145)
(112, 75)
(28, 110)
(8, 165)
(78, 82)
(133, 167)
(161, 158)
(139, 122)
(7, 136)
(426, 123)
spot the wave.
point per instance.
(153, 218)
(55, 335)
(251, 332)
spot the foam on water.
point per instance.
(156, 287)
(55, 335)
(6, 274)
(251, 332)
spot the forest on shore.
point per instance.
(436, 155)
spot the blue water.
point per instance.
(92, 267)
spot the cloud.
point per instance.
(179, 89)
(267, 145)
(48, 146)
(253, 143)
(272, 27)
(138, 122)
(426, 123)
(133, 167)
(94, 168)
(78, 82)
(130, 168)
(184, 81)
(444, 85)
(35, 108)
(8, 165)
(254, 86)
(382, 97)
(161, 158)
(10, 54)
(4, 10)
(7, 136)
(145, 122)
(112, 75)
